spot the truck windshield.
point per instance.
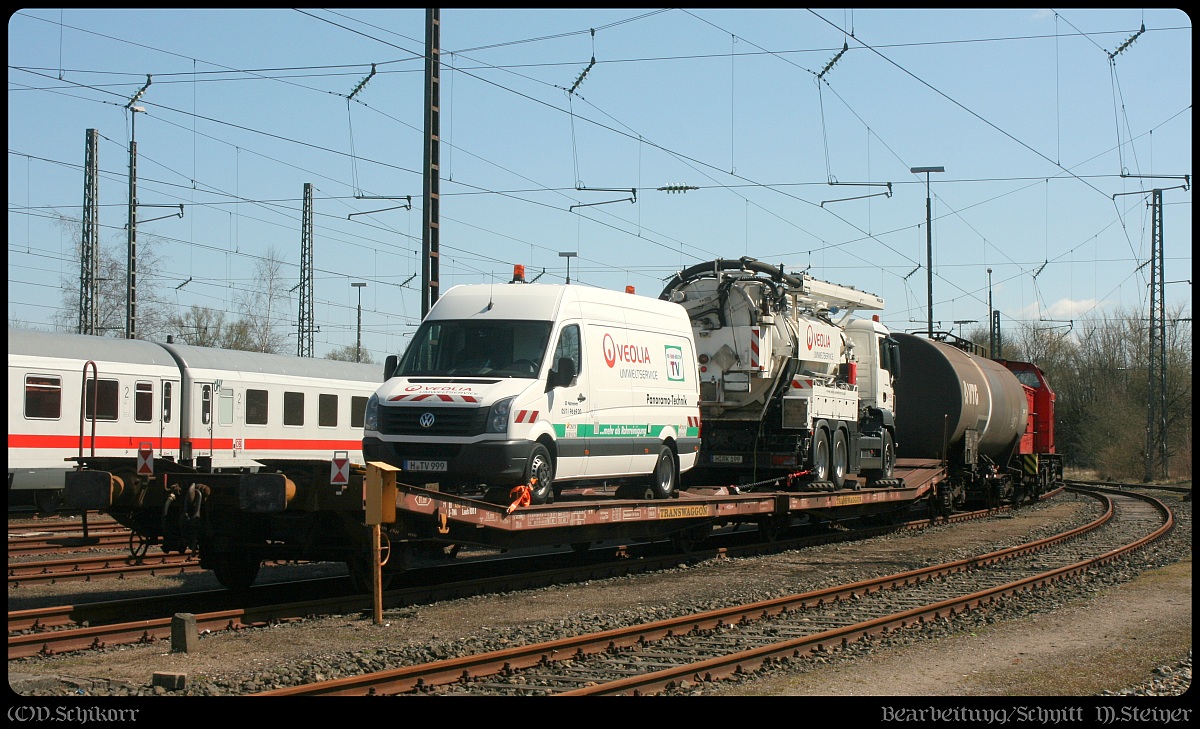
(460, 348)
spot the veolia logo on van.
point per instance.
(624, 352)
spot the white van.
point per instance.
(505, 383)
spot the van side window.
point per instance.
(43, 396)
(568, 347)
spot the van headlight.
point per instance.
(497, 421)
(371, 416)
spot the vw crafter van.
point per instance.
(544, 385)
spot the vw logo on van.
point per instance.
(427, 420)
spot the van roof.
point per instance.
(536, 301)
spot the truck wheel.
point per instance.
(889, 460)
(820, 456)
(837, 460)
(542, 468)
(665, 478)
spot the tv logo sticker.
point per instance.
(674, 356)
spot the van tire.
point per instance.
(540, 467)
(665, 478)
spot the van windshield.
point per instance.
(462, 348)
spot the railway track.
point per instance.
(673, 655)
(65, 628)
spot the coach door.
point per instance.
(168, 418)
(204, 404)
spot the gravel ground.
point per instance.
(1121, 631)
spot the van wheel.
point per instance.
(665, 478)
(542, 468)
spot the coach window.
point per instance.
(256, 407)
(358, 409)
(225, 406)
(101, 403)
(293, 408)
(206, 405)
(43, 397)
(143, 402)
(327, 414)
(166, 405)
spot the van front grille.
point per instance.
(446, 421)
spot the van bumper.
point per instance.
(495, 462)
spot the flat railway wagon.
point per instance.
(165, 438)
(968, 430)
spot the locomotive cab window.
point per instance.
(293, 408)
(143, 402)
(102, 402)
(256, 407)
(43, 397)
(327, 410)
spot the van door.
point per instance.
(613, 437)
(569, 406)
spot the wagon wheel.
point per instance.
(362, 571)
(48, 501)
(771, 528)
(139, 543)
(690, 539)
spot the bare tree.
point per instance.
(348, 354)
(264, 305)
(112, 287)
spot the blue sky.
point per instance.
(799, 153)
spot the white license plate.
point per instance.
(424, 465)
(726, 459)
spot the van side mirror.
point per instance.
(389, 367)
(562, 375)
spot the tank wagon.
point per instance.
(990, 422)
